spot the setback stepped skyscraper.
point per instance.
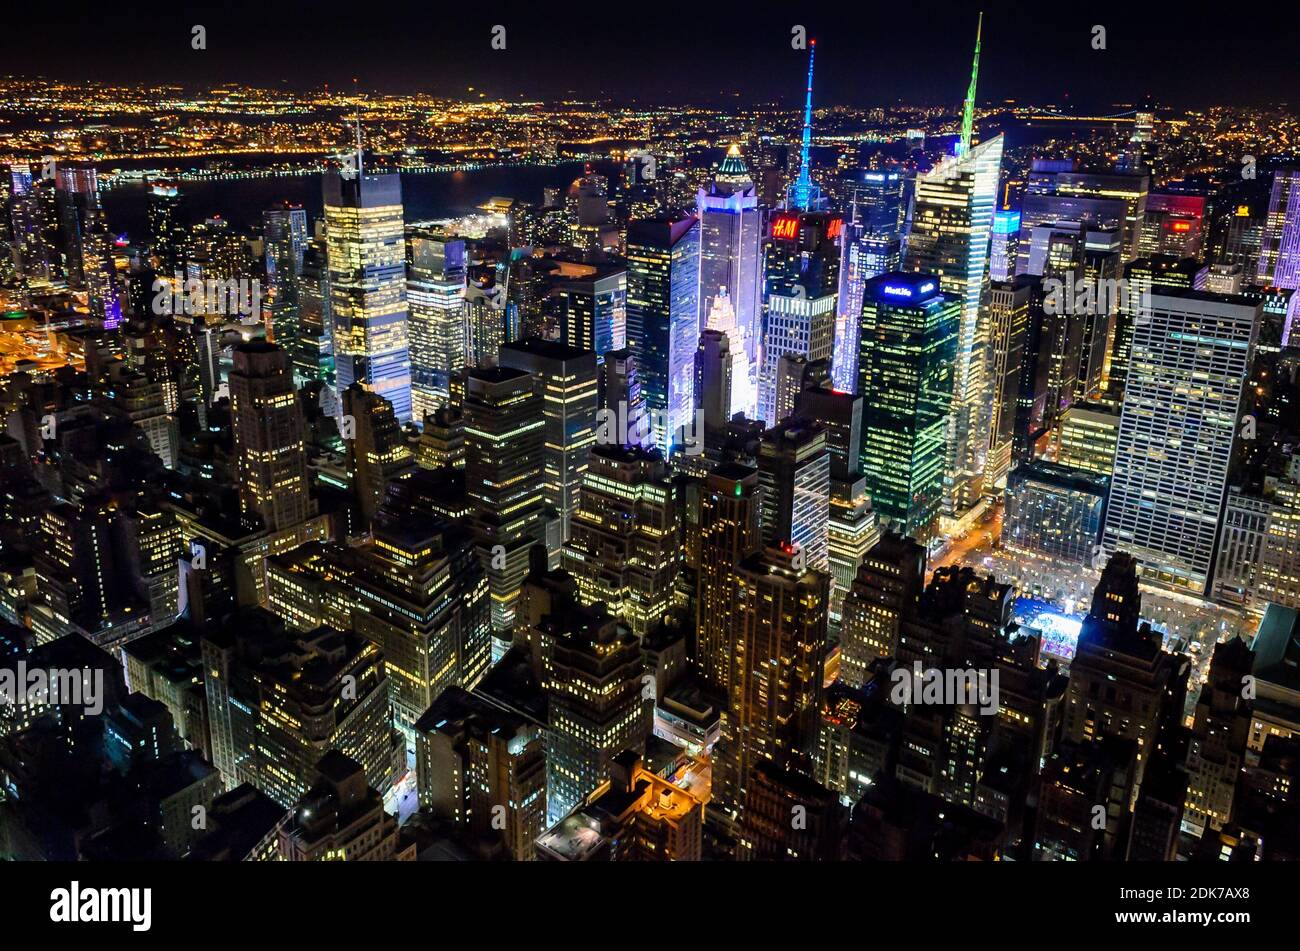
(504, 477)
(367, 281)
(777, 645)
(566, 378)
(269, 437)
(420, 594)
(592, 670)
(731, 236)
(623, 546)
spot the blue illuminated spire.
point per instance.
(804, 195)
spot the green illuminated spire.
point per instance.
(968, 113)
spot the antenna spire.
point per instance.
(357, 121)
(968, 111)
(804, 195)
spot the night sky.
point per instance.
(672, 51)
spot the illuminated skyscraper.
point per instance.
(620, 394)
(483, 768)
(730, 531)
(367, 282)
(1088, 433)
(623, 546)
(853, 528)
(284, 230)
(878, 200)
(435, 290)
(152, 545)
(216, 251)
(377, 451)
(714, 373)
(592, 309)
(420, 594)
(871, 245)
(1143, 276)
(1005, 245)
(27, 218)
(166, 234)
(278, 701)
(314, 355)
(1059, 190)
(1239, 232)
(794, 374)
(442, 441)
(1076, 326)
(1008, 318)
(663, 320)
(1121, 683)
(1055, 511)
(794, 471)
(87, 244)
(1174, 224)
(592, 669)
(801, 272)
(731, 233)
(1279, 256)
(504, 466)
(487, 324)
(1279, 556)
(905, 377)
(77, 197)
(952, 223)
(1139, 143)
(1177, 428)
(951, 227)
(887, 587)
(742, 392)
(1220, 729)
(566, 378)
(147, 402)
(269, 435)
(774, 689)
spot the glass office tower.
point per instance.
(367, 279)
(905, 376)
(952, 223)
(663, 320)
(1176, 432)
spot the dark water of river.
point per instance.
(424, 195)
